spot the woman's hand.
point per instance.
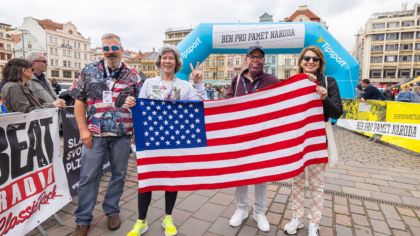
(196, 73)
(311, 77)
(130, 102)
(323, 93)
(59, 103)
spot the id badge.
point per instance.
(107, 96)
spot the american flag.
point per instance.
(268, 135)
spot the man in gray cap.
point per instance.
(248, 81)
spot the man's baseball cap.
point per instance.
(255, 47)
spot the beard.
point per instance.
(113, 61)
(256, 70)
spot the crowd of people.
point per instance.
(403, 93)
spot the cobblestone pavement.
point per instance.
(373, 190)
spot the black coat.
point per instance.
(332, 104)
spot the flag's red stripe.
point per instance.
(251, 120)
(265, 133)
(234, 154)
(232, 169)
(249, 105)
(257, 180)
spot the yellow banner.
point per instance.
(397, 123)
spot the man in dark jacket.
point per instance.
(248, 81)
(370, 92)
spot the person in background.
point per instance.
(105, 127)
(387, 93)
(246, 82)
(311, 61)
(56, 86)
(370, 91)
(166, 87)
(39, 83)
(405, 95)
(15, 92)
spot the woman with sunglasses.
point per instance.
(16, 95)
(166, 87)
(311, 62)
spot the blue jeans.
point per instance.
(118, 150)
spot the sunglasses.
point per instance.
(252, 57)
(314, 59)
(109, 48)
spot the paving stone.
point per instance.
(326, 221)
(222, 199)
(192, 203)
(209, 212)
(390, 212)
(277, 207)
(370, 187)
(273, 218)
(327, 203)
(356, 191)
(411, 200)
(375, 215)
(396, 224)
(341, 209)
(356, 202)
(248, 230)
(281, 198)
(356, 209)
(371, 205)
(221, 227)
(415, 230)
(360, 219)
(406, 212)
(327, 211)
(387, 197)
(194, 227)
(326, 231)
(343, 220)
(343, 230)
(380, 226)
(362, 230)
(397, 232)
(411, 221)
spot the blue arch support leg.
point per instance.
(276, 38)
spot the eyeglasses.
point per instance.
(314, 59)
(43, 61)
(109, 48)
(252, 57)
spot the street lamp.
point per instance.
(23, 31)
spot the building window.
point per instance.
(376, 59)
(378, 25)
(273, 60)
(66, 74)
(51, 39)
(418, 35)
(52, 62)
(230, 61)
(65, 63)
(390, 73)
(406, 46)
(375, 73)
(405, 58)
(221, 62)
(407, 23)
(391, 58)
(273, 70)
(393, 24)
(416, 72)
(392, 36)
(237, 61)
(55, 73)
(76, 74)
(391, 47)
(286, 74)
(56, 51)
(85, 56)
(404, 73)
(287, 62)
(417, 58)
(377, 37)
(407, 35)
(377, 48)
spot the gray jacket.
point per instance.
(19, 98)
(36, 86)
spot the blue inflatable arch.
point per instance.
(276, 38)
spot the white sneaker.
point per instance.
(313, 230)
(292, 227)
(238, 217)
(262, 222)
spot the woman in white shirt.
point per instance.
(166, 87)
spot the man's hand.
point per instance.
(59, 103)
(86, 138)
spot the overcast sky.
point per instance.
(142, 24)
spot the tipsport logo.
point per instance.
(331, 53)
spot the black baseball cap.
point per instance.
(255, 47)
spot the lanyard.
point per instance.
(170, 91)
(253, 89)
(110, 75)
